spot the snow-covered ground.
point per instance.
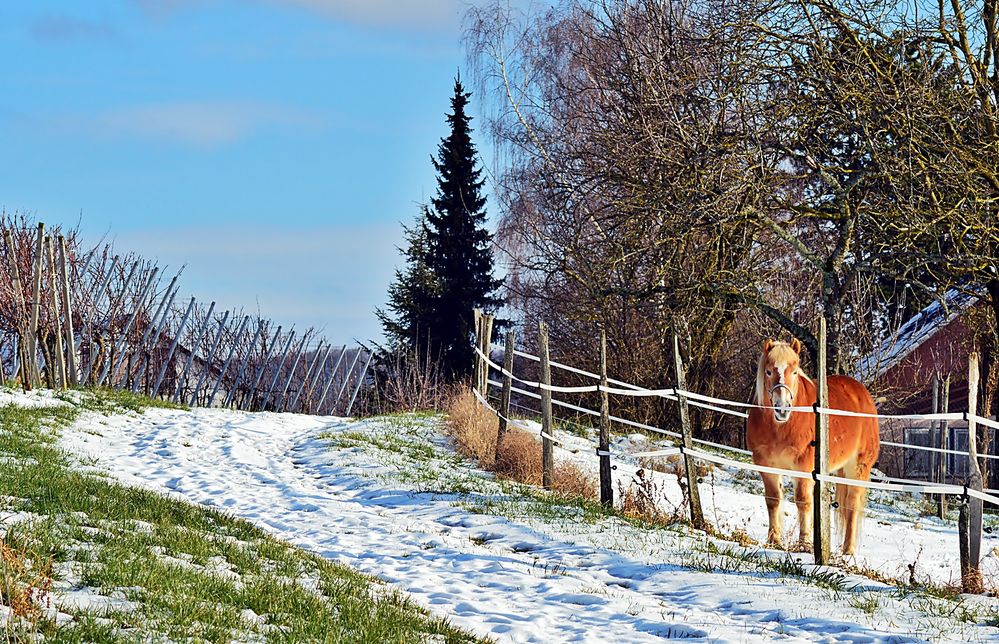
(370, 494)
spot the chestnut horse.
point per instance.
(781, 438)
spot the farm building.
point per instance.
(929, 353)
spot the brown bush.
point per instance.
(520, 457)
(474, 428)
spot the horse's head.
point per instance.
(778, 377)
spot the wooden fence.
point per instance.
(90, 317)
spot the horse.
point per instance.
(784, 439)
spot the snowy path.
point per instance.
(507, 580)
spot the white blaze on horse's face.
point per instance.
(779, 377)
(783, 385)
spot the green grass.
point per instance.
(187, 572)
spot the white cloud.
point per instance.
(201, 123)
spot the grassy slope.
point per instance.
(165, 569)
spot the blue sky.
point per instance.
(271, 145)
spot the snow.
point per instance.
(522, 579)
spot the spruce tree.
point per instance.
(449, 258)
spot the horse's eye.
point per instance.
(769, 373)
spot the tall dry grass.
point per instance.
(474, 428)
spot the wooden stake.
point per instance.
(511, 339)
(22, 314)
(821, 501)
(360, 382)
(172, 349)
(606, 488)
(690, 467)
(332, 379)
(346, 380)
(487, 342)
(547, 447)
(970, 527)
(477, 359)
(58, 356)
(236, 341)
(36, 301)
(944, 443)
(67, 306)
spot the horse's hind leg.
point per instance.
(772, 490)
(803, 495)
(852, 501)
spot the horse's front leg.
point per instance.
(803, 495)
(772, 489)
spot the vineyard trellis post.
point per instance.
(360, 381)
(232, 354)
(151, 335)
(173, 348)
(67, 304)
(118, 348)
(332, 379)
(22, 313)
(36, 302)
(309, 371)
(547, 448)
(283, 355)
(970, 516)
(346, 381)
(506, 395)
(195, 343)
(206, 363)
(821, 528)
(603, 451)
(58, 357)
(230, 398)
(279, 401)
(89, 324)
(690, 467)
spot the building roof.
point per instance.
(917, 330)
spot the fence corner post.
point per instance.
(504, 410)
(693, 492)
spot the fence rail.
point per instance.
(971, 491)
(70, 315)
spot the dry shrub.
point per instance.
(519, 457)
(473, 428)
(643, 499)
(570, 482)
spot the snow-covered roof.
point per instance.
(915, 332)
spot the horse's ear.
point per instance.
(767, 346)
(796, 346)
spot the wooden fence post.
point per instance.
(22, 313)
(944, 444)
(690, 467)
(58, 357)
(606, 487)
(970, 522)
(67, 305)
(36, 301)
(477, 359)
(511, 339)
(821, 529)
(487, 342)
(547, 447)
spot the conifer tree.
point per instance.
(449, 258)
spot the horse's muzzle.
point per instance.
(782, 415)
